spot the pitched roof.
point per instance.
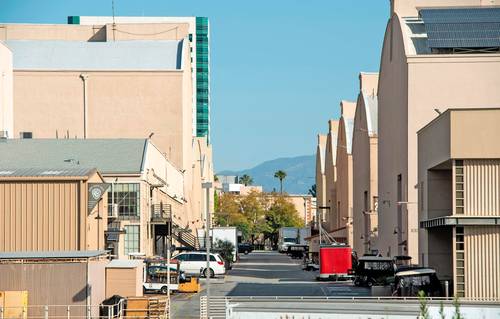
(46, 172)
(107, 155)
(371, 110)
(349, 130)
(52, 254)
(106, 56)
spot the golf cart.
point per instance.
(408, 283)
(373, 270)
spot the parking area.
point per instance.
(263, 273)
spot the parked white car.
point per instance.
(195, 263)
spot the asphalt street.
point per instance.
(264, 274)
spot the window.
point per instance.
(459, 261)
(197, 257)
(181, 257)
(131, 239)
(126, 199)
(459, 187)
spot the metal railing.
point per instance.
(159, 309)
(219, 305)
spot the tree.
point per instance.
(246, 180)
(281, 175)
(312, 190)
(225, 249)
(281, 213)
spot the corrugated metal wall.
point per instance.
(39, 216)
(48, 284)
(482, 261)
(482, 187)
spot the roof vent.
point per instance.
(25, 135)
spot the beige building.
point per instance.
(6, 110)
(305, 205)
(123, 80)
(419, 74)
(459, 199)
(51, 209)
(364, 163)
(320, 177)
(145, 191)
(331, 176)
(343, 216)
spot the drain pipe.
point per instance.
(84, 78)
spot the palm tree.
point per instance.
(281, 175)
(312, 190)
(246, 180)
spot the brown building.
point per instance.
(52, 209)
(71, 284)
(459, 199)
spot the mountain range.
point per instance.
(300, 172)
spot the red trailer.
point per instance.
(335, 261)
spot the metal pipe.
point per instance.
(84, 78)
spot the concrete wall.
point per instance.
(6, 91)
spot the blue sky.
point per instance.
(279, 67)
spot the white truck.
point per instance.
(292, 235)
(221, 233)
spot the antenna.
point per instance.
(113, 12)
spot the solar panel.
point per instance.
(462, 28)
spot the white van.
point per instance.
(195, 263)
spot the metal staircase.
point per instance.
(185, 237)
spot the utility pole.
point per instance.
(319, 219)
(207, 187)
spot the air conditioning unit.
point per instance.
(114, 211)
(4, 134)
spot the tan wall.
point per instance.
(344, 184)
(320, 177)
(364, 162)
(331, 175)
(126, 282)
(393, 132)
(68, 32)
(47, 284)
(482, 261)
(6, 91)
(304, 207)
(482, 187)
(146, 31)
(47, 215)
(474, 133)
(114, 98)
(77, 32)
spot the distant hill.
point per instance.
(300, 174)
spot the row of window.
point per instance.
(124, 200)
